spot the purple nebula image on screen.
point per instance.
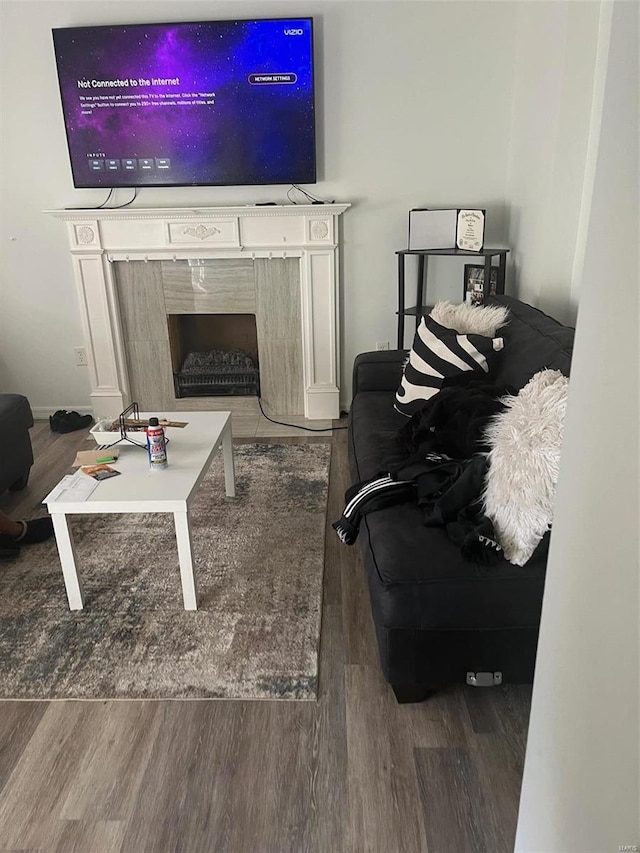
(227, 102)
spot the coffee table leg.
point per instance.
(185, 557)
(227, 458)
(64, 541)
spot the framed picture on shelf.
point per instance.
(473, 293)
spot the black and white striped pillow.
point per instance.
(439, 356)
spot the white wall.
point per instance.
(581, 786)
(554, 78)
(414, 103)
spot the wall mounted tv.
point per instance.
(189, 104)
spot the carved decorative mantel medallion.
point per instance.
(319, 229)
(85, 234)
(201, 231)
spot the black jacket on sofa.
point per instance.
(439, 616)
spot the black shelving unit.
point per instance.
(420, 309)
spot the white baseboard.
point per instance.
(42, 413)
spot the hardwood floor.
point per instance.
(351, 773)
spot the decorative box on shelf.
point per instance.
(446, 228)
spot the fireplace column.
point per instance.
(100, 320)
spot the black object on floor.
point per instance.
(34, 531)
(63, 421)
(54, 420)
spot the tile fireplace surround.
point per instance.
(101, 239)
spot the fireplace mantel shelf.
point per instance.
(317, 210)
(100, 237)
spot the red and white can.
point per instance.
(156, 445)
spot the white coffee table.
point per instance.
(190, 452)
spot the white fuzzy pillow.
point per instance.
(526, 440)
(471, 319)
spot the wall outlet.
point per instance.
(382, 345)
(81, 356)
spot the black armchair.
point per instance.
(16, 454)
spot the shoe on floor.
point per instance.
(71, 421)
(55, 418)
(34, 531)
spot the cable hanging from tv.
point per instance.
(306, 194)
(103, 206)
(117, 206)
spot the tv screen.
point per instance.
(189, 104)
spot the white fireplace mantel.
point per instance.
(99, 237)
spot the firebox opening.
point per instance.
(214, 354)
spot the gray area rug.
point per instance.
(259, 561)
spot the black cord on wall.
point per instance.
(297, 426)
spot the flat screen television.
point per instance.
(189, 104)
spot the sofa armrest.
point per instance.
(16, 456)
(378, 371)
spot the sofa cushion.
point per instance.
(419, 579)
(532, 341)
(373, 434)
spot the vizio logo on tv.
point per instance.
(293, 32)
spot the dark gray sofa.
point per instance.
(438, 618)
(16, 454)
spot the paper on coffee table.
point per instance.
(73, 488)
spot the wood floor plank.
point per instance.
(499, 772)
(106, 781)
(269, 794)
(338, 558)
(79, 836)
(501, 710)
(23, 850)
(381, 780)
(327, 815)
(182, 795)
(244, 766)
(481, 708)
(30, 802)
(452, 801)
(18, 721)
(360, 639)
(440, 722)
(359, 632)
(82, 762)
